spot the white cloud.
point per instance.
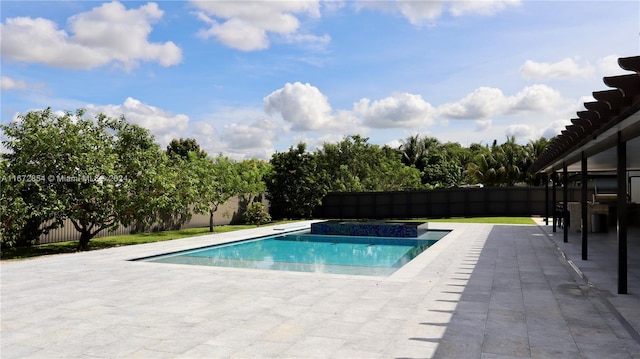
(305, 108)
(311, 42)
(246, 133)
(238, 34)
(554, 128)
(7, 84)
(248, 136)
(314, 143)
(565, 68)
(424, 12)
(301, 105)
(332, 5)
(161, 123)
(398, 110)
(583, 99)
(204, 129)
(475, 7)
(483, 125)
(535, 98)
(245, 25)
(483, 102)
(520, 131)
(487, 102)
(419, 11)
(248, 141)
(394, 143)
(108, 33)
(609, 66)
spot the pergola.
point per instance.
(604, 138)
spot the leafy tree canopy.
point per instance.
(99, 174)
(182, 147)
(295, 183)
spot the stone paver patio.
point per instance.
(484, 291)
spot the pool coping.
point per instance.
(404, 274)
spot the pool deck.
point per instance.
(484, 291)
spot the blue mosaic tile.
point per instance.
(369, 229)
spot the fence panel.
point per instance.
(228, 213)
(455, 202)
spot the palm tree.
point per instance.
(498, 165)
(412, 150)
(512, 159)
(534, 149)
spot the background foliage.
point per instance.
(102, 173)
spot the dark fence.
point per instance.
(441, 203)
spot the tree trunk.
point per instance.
(83, 244)
(30, 233)
(210, 221)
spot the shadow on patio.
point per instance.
(520, 298)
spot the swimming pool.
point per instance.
(304, 252)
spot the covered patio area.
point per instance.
(603, 139)
(600, 271)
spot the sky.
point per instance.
(250, 78)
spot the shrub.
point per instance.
(256, 214)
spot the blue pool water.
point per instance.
(304, 252)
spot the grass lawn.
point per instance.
(139, 238)
(116, 241)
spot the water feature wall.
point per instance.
(370, 229)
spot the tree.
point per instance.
(482, 168)
(412, 150)
(415, 148)
(441, 166)
(30, 200)
(295, 185)
(216, 181)
(512, 161)
(14, 212)
(461, 156)
(183, 190)
(88, 182)
(124, 177)
(252, 173)
(354, 165)
(440, 170)
(534, 149)
(99, 174)
(182, 147)
(156, 187)
(392, 175)
(299, 180)
(346, 163)
(499, 165)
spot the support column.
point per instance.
(565, 203)
(583, 205)
(553, 199)
(546, 199)
(622, 215)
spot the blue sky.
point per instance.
(247, 79)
